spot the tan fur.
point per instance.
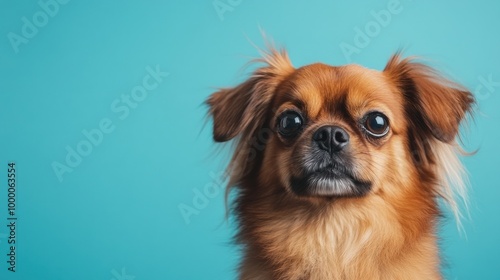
(389, 233)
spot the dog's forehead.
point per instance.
(321, 87)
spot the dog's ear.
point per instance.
(440, 104)
(242, 108)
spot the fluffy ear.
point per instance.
(244, 106)
(442, 104)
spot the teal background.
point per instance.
(116, 215)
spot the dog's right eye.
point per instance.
(290, 123)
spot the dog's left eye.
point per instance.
(289, 123)
(376, 124)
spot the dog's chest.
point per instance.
(321, 248)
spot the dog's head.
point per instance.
(323, 131)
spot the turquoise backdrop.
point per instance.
(101, 112)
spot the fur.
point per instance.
(389, 233)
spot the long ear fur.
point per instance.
(241, 111)
(435, 108)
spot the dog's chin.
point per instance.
(329, 183)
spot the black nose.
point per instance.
(331, 138)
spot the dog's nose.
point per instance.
(331, 138)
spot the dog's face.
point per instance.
(341, 131)
(336, 130)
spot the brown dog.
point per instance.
(339, 169)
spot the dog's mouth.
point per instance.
(331, 181)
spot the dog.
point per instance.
(338, 170)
